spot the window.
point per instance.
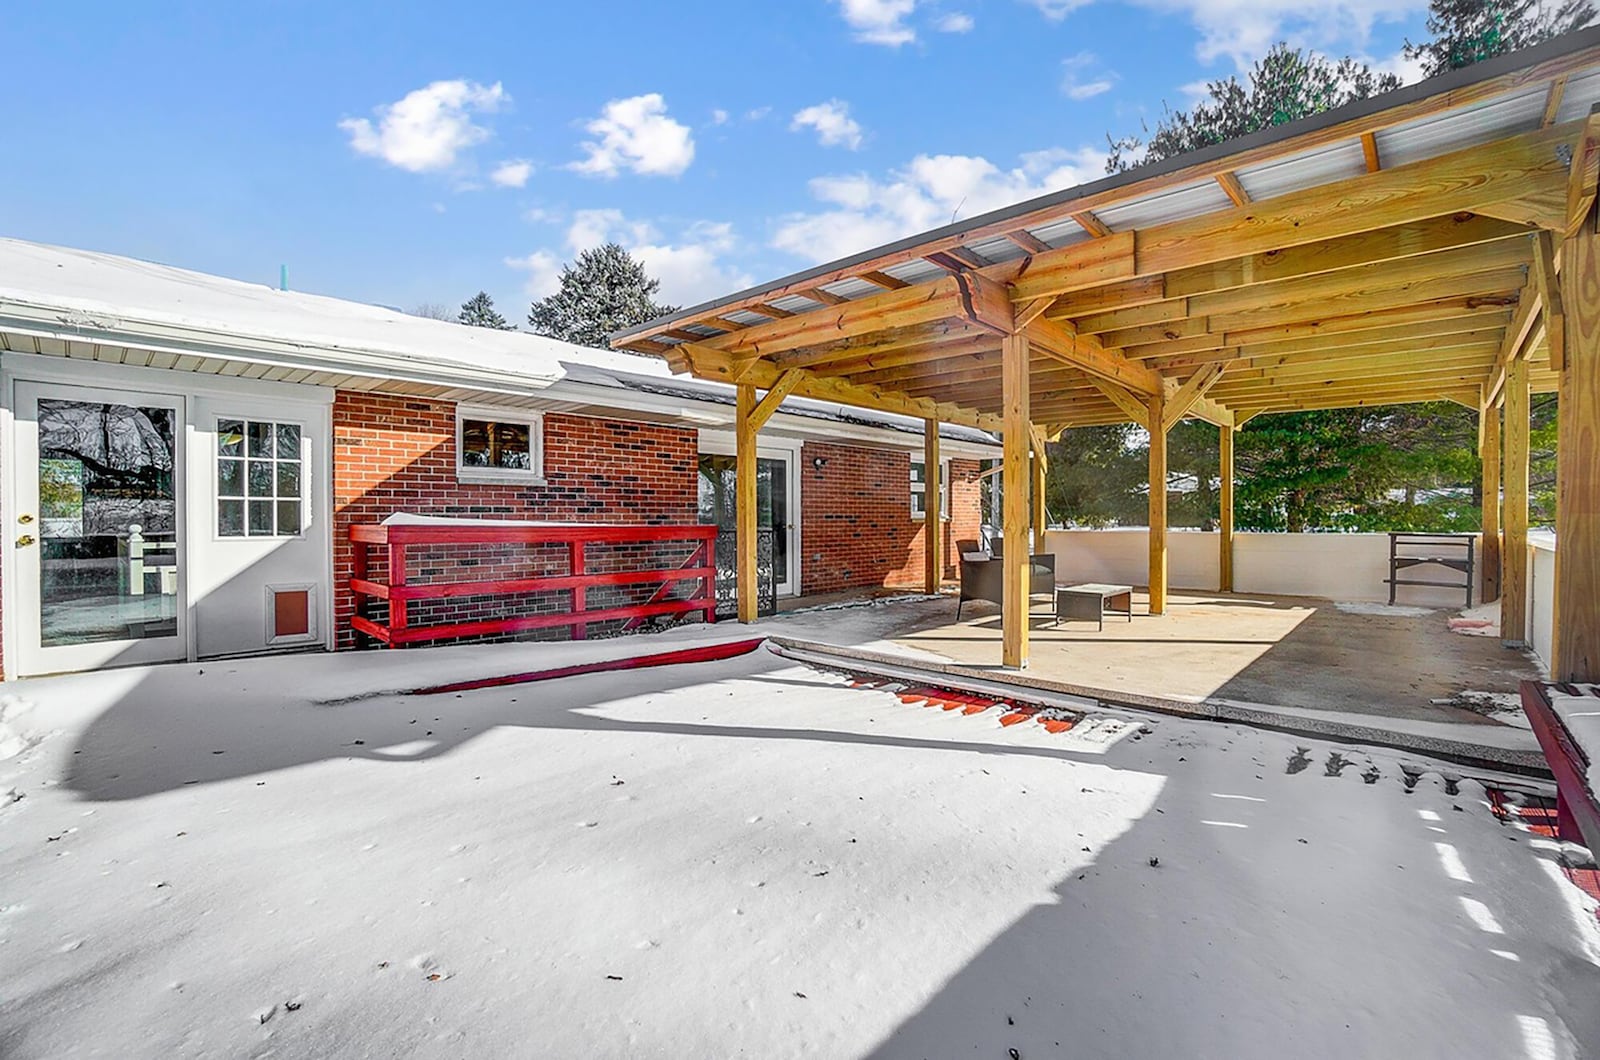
(499, 445)
(260, 479)
(919, 489)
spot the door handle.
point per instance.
(24, 519)
(25, 540)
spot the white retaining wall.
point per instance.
(1330, 566)
(1541, 593)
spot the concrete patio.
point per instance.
(1281, 651)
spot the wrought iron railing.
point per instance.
(728, 574)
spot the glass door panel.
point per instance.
(100, 469)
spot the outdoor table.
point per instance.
(1092, 600)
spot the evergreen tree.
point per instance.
(1470, 31)
(604, 291)
(479, 312)
(1286, 85)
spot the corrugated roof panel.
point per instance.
(1582, 92)
(915, 271)
(794, 303)
(997, 250)
(744, 316)
(1062, 233)
(1464, 127)
(1308, 170)
(853, 288)
(1163, 207)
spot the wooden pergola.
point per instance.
(1435, 243)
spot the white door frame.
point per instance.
(31, 656)
(722, 443)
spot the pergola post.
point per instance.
(932, 507)
(1040, 466)
(1014, 500)
(1514, 558)
(1158, 506)
(1225, 520)
(1489, 453)
(744, 500)
(1576, 656)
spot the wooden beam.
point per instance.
(744, 492)
(1087, 352)
(932, 505)
(1583, 173)
(1549, 288)
(1091, 224)
(1225, 509)
(1014, 503)
(1552, 101)
(817, 294)
(1489, 457)
(772, 312)
(884, 280)
(1529, 312)
(1514, 572)
(1369, 151)
(1229, 183)
(1027, 241)
(1135, 408)
(1158, 508)
(716, 365)
(1028, 312)
(1577, 591)
(1041, 467)
(773, 398)
(1182, 400)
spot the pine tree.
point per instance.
(604, 291)
(479, 311)
(1470, 31)
(1284, 86)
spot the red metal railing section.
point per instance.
(404, 584)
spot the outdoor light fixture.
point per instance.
(819, 462)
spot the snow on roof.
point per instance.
(91, 290)
(85, 293)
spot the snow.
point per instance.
(1581, 715)
(1362, 607)
(104, 291)
(1480, 621)
(740, 858)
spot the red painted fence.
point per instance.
(700, 566)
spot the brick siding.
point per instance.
(399, 454)
(856, 527)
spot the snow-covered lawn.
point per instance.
(745, 858)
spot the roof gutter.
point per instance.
(52, 322)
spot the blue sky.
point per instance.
(401, 154)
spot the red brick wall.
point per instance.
(398, 454)
(856, 527)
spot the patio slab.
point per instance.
(1282, 651)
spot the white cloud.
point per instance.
(757, 113)
(832, 122)
(636, 134)
(512, 173)
(689, 266)
(1082, 77)
(1243, 30)
(932, 190)
(427, 129)
(879, 21)
(544, 273)
(1409, 71)
(954, 22)
(1056, 10)
(719, 117)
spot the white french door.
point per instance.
(777, 504)
(98, 529)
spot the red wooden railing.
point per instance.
(399, 592)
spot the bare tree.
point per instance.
(434, 311)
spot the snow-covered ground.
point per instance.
(745, 858)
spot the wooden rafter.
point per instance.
(1091, 224)
(1228, 181)
(1369, 151)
